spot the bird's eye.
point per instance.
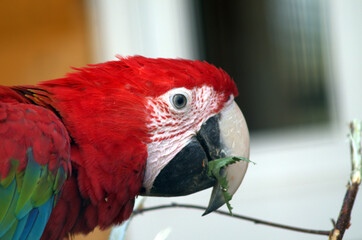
(179, 101)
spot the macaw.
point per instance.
(76, 151)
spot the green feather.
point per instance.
(10, 217)
(6, 197)
(12, 171)
(44, 189)
(10, 233)
(19, 180)
(33, 172)
(59, 180)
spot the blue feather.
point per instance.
(20, 228)
(41, 220)
(29, 224)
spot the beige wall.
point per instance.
(40, 40)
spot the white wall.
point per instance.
(300, 175)
(346, 42)
(152, 28)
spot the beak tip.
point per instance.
(206, 212)
(216, 200)
(210, 209)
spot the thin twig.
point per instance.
(343, 221)
(255, 220)
(344, 217)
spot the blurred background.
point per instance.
(298, 67)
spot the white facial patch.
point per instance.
(172, 129)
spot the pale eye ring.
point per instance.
(179, 101)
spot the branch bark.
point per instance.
(344, 217)
(255, 220)
(343, 221)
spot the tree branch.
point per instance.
(255, 220)
(343, 221)
(344, 217)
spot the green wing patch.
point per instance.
(21, 192)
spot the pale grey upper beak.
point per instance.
(234, 136)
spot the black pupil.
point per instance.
(179, 101)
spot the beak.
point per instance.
(223, 135)
(235, 141)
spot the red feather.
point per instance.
(24, 125)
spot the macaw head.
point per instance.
(193, 120)
(157, 123)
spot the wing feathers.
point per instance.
(34, 163)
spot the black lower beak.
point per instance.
(186, 173)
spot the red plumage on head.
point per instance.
(103, 106)
(150, 77)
